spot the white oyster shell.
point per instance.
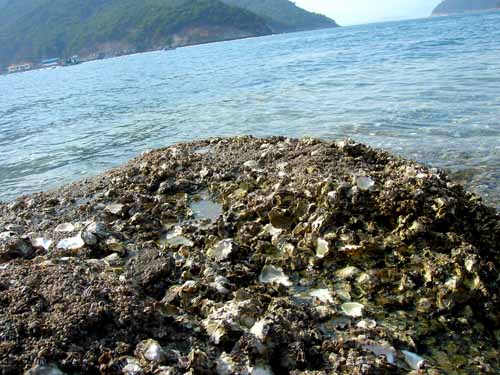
(352, 309)
(71, 243)
(364, 182)
(272, 274)
(367, 324)
(221, 250)
(260, 370)
(259, 329)
(48, 369)
(322, 248)
(153, 351)
(42, 242)
(347, 272)
(65, 227)
(413, 360)
(250, 164)
(272, 230)
(115, 208)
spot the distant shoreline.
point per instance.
(466, 12)
(3, 71)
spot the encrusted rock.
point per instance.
(14, 246)
(320, 258)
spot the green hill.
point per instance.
(31, 30)
(37, 29)
(464, 6)
(283, 15)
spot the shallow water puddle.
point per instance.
(203, 150)
(204, 212)
(204, 207)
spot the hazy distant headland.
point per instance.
(34, 30)
(464, 6)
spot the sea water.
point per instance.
(425, 89)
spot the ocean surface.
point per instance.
(425, 89)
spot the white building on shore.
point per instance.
(19, 68)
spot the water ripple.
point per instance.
(426, 89)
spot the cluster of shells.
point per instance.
(252, 256)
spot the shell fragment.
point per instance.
(221, 250)
(322, 248)
(364, 182)
(352, 309)
(65, 227)
(413, 360)
(272, 274)
(72, 243)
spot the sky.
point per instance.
(351, 12)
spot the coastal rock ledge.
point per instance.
(252, 256)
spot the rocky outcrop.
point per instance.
(252, 256)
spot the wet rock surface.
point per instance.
(252, 256)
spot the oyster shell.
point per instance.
(71, 243)
(366, 324)
(384, 349)
(272, 274)
(364, 182)
(352, 309)
(175, 238)
(260, 329)
(115, 208)
(131, 366)
(151, 351)
(65, 227)
(42, 242)
(413, 360)
(347, 273)
(222, 250)
(322, 248)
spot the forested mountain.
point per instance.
(31, 30)
(463, 6)
(283, 15)
(36, 29)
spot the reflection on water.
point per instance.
(425, 89)
(203, 150)
(204, 207)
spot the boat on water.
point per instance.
(73, 60)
